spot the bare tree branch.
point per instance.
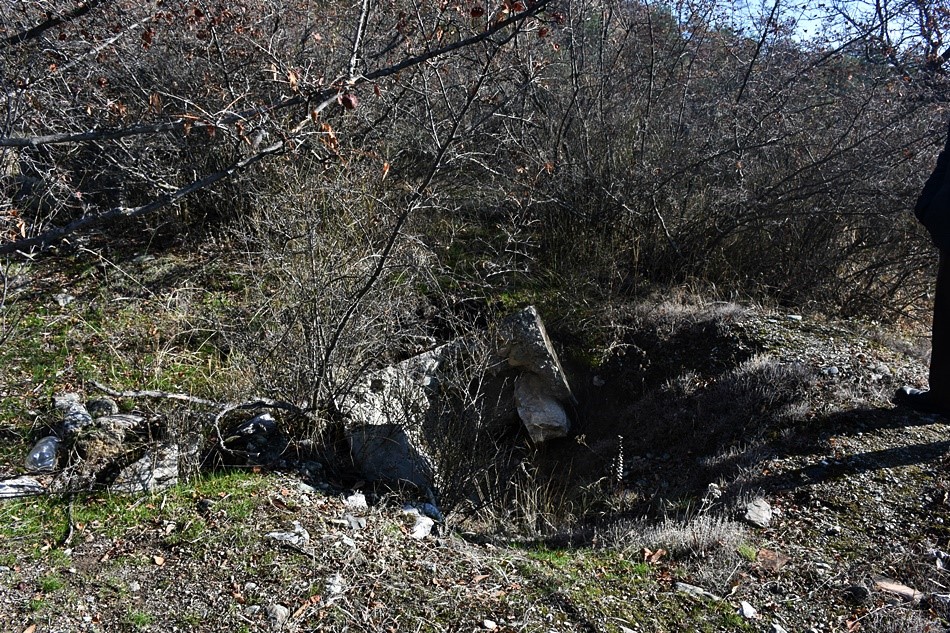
(88, 221)
(51, 22)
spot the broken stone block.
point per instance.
(541, 391)
(20, 487)
(542, 415)
(104, 439)
(157, 470)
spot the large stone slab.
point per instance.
(396, 415)
(157, 470)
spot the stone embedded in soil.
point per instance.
(693, 590)
(747, 611)
(356, 501)
(278, 614)
(156, 471)
(759, 512)
(857, 594)
(299, 535)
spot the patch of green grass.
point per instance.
(578, 586)
(191, 619)
(50, 583)
(37, 604)
(138, 619)
(748, 552)
(39, 523)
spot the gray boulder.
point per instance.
(157, 470)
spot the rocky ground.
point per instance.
(743, 406)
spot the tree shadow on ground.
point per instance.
(852, 423)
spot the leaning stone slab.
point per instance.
(542, 391)
(524, 342)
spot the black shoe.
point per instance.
(919, 400)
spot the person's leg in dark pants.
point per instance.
(937, 399)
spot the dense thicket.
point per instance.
(384, 160)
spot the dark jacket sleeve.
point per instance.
(933, 203)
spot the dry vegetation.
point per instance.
(270, 198)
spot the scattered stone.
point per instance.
(20, 487)
(831, 371)
(597, 381)
(422, 525)
(758, 512)
(489, 625)
(794, 317)
(778, 628)
(135, 586)
(250, 587)
(278, 614)
(355, 523)
(747, 611)
(695, 591)
(356, 501)
(335, 585)
(63, 299)
(299, 535)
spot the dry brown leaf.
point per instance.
(159, 560)
(653, 557)
(771, 560)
